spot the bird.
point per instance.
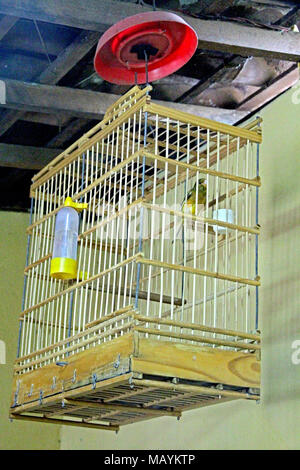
(194, 199)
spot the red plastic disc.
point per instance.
(168, 40)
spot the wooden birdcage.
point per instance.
(163, 313)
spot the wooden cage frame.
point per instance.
(137, 373)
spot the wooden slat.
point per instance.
(80, 146)
(28, 157)
(82, 283)
(48, 98)
(107, 319)
(6, 23)
(56, 70)
(137, 395)
(200, 272)
(194, 362)
(100, 337)
(197, 327)
(67, 133)
(64, 422)
(122, 408)
(198, 339)
(266, 94)
(209, 391)
(115, 314)
(202, 220)
(203, 122)
(69, 57)
(214, 35)
(85, 363)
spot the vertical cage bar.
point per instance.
(256, 237)
(141, 213)
(25, 279)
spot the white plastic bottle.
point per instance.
(64, 255)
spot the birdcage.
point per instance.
(161, 313)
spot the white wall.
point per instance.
(17, 434)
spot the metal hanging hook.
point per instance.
(42, 41)
(146, 66)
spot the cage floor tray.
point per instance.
(133, 378)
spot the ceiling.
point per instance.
(228, 80)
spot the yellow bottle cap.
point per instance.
(79, 206)
(63, 268)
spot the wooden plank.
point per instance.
(21, 156)
(51, 99)
(227, 71)
(67, 133)
(6, 23)
(200, 219)
(136, 257)
(84, 364)
(64, 62)
(87, 104)
(98, 17)
(54, 353)
(199, 272)
(65, 422)
(195, 168)
(206, 123)
(198, 390)
(85, 390)
(266, 94)
(133, 392)
(228, 116)
(235, 38)
(144, 295)
(55, 120)
(8, 118)
(122, 408)
(196, 327)
(218, 35)
(69, 57)
(197, 339)
(173, 359)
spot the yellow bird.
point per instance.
(194, 199)
(191, 198)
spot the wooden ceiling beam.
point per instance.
(64, 62)
(26, 157)
(87, 104)
(56, 120)
(223, 36)
(229, 70)
(6, 23)
(266, 93)
(68, 133)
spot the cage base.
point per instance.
(133, 378)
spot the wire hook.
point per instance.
(146, 66)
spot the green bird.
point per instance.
(194, 200)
